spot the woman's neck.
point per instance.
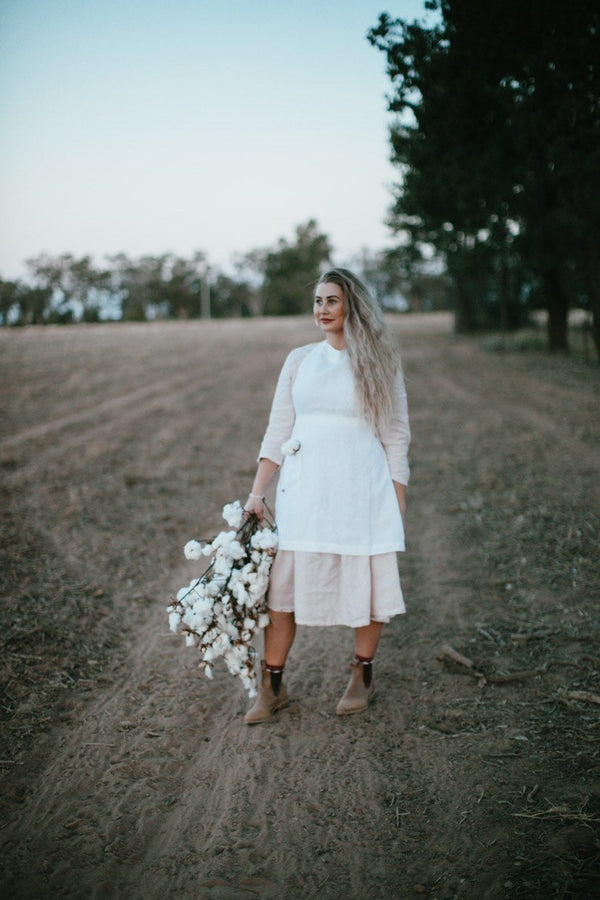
(337, 341)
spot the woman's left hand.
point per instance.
(254, 506)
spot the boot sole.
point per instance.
(359, 709)
(351, 712)
(269, 717)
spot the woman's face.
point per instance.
(330, 308)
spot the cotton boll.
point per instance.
(233, 661)
(264, 539)
(190, 640)
(203, 609)
(188, 617)
(192, 550)
(221, 643)
(210, 636)
(288, 448)
(255, 557)
(222, 565)
(249, 623)
(193, 597)
(263, 620)
(223, 540)
(265, 565)
(209, 654)
(207, 550)
(234, 578)
(241, 594)
(236, 551)
(174, 620)
(233, 514)
(208, 672)
(231, 630)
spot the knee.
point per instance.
(281, 618)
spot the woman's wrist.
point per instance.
(256, 496)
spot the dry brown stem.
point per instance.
(584, 696)
(558, 812)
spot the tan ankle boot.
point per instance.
(271, 697)
(359, 692)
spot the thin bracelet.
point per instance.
(257, 496)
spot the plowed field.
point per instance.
(126, 774)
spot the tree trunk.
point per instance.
(593, 268)
(557, 304)
(464, 317)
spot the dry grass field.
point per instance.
(125, 774)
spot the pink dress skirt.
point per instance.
(335, 589)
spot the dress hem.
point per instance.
(300, 546)
(382, 618)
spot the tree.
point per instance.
(491, 165)
(138, 284)
(291, 270)
(75, 288)
(9, 298)
(231, 297)
(50, 276)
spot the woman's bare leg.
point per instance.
(279, 637)
(366, 639)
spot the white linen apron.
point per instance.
(336, 494)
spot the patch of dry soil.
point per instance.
(126, 774)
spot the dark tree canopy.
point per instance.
(497, 140)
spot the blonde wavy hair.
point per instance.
(374, 359)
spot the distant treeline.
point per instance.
(496, 137)
(273, 281)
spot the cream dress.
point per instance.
(336, 508)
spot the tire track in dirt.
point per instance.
(510, 401)
(92, 414)
(96, 439)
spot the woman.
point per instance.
(339, 431)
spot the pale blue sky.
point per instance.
(149, 126)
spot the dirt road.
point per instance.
(127, 775)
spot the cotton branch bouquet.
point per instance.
(221, 611)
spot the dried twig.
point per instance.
(584, 696)
(558, 812)
(448, 652)
(487, 635)
(513, 676)
(540, 634)
(457, 657)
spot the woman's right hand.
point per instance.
(255, 506)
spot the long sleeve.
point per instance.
(396, 436)
(283, 415)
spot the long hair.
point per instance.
(374, 360)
